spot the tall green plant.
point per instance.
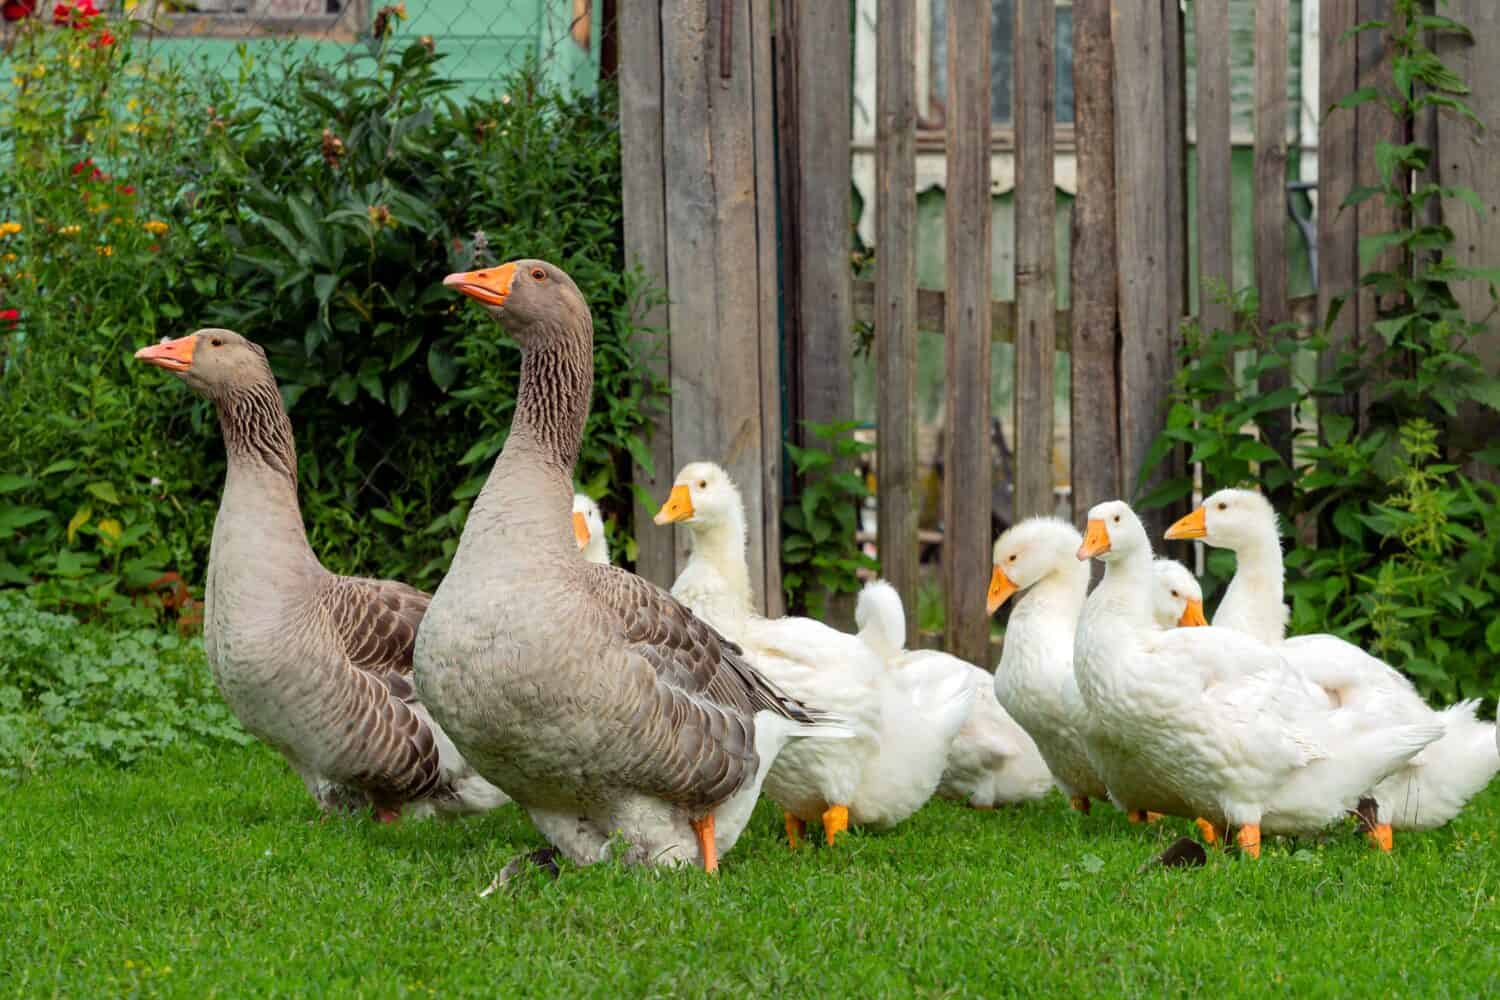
(820, 554)
(1404, 562)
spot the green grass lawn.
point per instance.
(205, 875)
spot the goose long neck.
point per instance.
(1258, 569)
(721, 545)
(262, 456)
(525, 501)
(1125, 591)
(1060, 594)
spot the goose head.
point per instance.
(1030, 552)
(1176, 597)
(588, 529)
(1230, 519)
(1114, 532)
(214, 363)
(534, 301)
(702, 494)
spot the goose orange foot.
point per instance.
(709, 851)
(835, 822)
(796, 829)
(1381, 836)
(1211, 834)
(1248, 837)
(1142, 816)
(1080, 803)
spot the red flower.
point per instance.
(82, 165)
(10, 317)
(104, 40)
(125, 189)
(75, 13)
(14, 10)
(155, 248)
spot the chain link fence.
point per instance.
(483, 41)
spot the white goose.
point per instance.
(1210, 722)
(1034, 681)
(1435, 784)
(903, 725)
(992, 761)
(588, 530)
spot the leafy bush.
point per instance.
(72, 691)
(1407, 543)
(315, 209)
(103, 471)
(819, 552)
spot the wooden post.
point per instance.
(646, 247)
(818, 44)
(966, 438)
(1270, 209)
(1338, 165)
(896, 303)
(1036, 253)
(1468, 157)
(763, 98)
(714, 147)
(1215, 156)
(1094, 343)
(1375, 125)
(1145, 260)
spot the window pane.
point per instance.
(1002, 29)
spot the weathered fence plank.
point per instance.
(1375, 125)
(895, 303)
(966, 441)
(818, 37)
(713, 253)
(1096, 470)
(1215, 210)
(646, 246)
(763, 98)
(1036, 252)
(1144, 261)
(1270, 203)
(1338, 165)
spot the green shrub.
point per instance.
(819, 551)
(315, 209)
(71, 691)
(1407, 559)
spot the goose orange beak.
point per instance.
(173, 355)
(1001, 587)
(679, 506)
(1195, 525)
(1192, 616)
(490, 285)
(580, 529)
(1095, 540)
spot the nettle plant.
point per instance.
(820, 555)
(1406, 538)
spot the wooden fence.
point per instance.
(1130, 251)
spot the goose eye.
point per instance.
(1012, 557)
(703, 484)
(1117, 518)
(1176, 594)
(538, 274)
(217, 342)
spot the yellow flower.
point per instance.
(70, 230)
(132, 104)
(105, 251)
(19, 81)
(9, 258)
(9, 228)
(39, 70)
(156, 227)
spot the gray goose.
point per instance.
(595, 699)
(315, 664)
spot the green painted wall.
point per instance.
(483, 40)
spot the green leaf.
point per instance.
(442, 366)
(104, 491)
